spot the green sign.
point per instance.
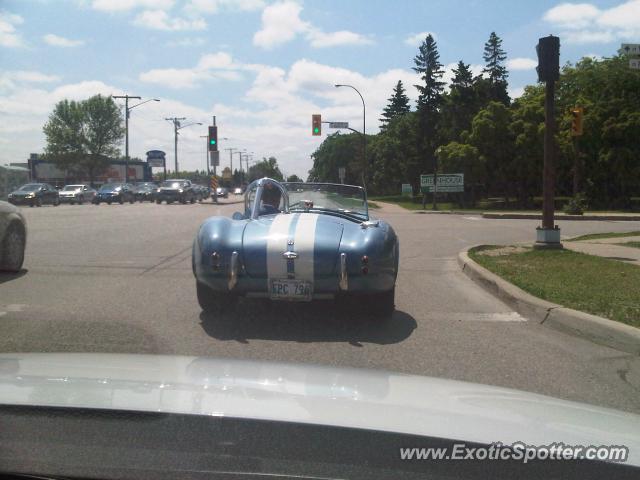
(407, 189)
(449, 182)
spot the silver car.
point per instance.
(76, 194)
(13, 238)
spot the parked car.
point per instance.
(237, 191)
(176, 190)
(203, 191)
(76, 194)
(222, 192)
(35, 195)
(115, 192)
(297, 246)
(145, 192)
(13, 238)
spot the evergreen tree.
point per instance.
(427, 64)
(398, 105)
(460, 104)
(494, 57)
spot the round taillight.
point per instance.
(365, 260)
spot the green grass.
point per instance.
(594, 236)
(630, 244)
(595, 285)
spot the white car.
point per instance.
(13, 238)
(76, 194)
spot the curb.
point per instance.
(536, 216)
(573, 322)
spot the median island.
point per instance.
(596, 285)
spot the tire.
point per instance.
(108, 202)
(159, 202)
(80, 200)
(38, 202)
(121, 201)
(96, 203)
(381, 305)
(131, 201)
(193, 200)
(214, 302)
(183, 201)
(56, 202)
(13, 249)
(71, 202)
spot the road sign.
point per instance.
(407, 189)
(215, 158)
(634, 63)
(632, 49)
(341, 173)
(451, 182)
(214, 182)
(338, 124)
(155, 158)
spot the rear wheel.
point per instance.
(214, 302)
(158, 202)
(80, 200)
(131, 200)
(108, 202)
(13, 250)
(121, 201)
(38, 202)
(56, 202)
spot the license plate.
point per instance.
(290, 290)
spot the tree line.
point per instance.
(474, 127)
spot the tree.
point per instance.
(460, 104)
(293, 178)
(334, 152)
(82, 136)
(427, 64)
(462, 158)
(398, 105)
(265, 168)
(494, 57)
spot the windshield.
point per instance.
(30, 187)
(340, 198)
(110, 188)
(68, 188)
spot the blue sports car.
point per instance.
(297, 242)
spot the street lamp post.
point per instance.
(176, 127)
(128, 109)
(364, 133)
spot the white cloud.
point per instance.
(521, 64)
(213, 6)
(29, 76)
(160, 20)
(516, 92)
(9, 36)
(213, 66)
(416, 39)
(320, 39)
(126, 5)
(281, 23)
(58, 41)
(586, 23)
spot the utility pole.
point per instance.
(231, 161)
(206, 151)
(177, 126)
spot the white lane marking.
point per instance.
(492, 317)
(276, 245)
(471, 218)
(304, 243)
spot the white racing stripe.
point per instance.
(304, 243)
(276, 246)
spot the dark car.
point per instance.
(115, 192)
(35, 194)
(145, 192)
(176, 190)
(13, 238)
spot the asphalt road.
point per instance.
(118, 279)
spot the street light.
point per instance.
(176, 127)
(364, 132)
(128, 109)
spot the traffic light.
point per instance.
(316, 124)
(576, 121)
(548, 50)
(213, 139)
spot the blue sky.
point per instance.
(262, 67)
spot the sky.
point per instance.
(263, 67)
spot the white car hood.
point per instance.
(367, 399)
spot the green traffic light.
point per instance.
(316, 130)
(213, 142)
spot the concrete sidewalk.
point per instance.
(608, 248)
